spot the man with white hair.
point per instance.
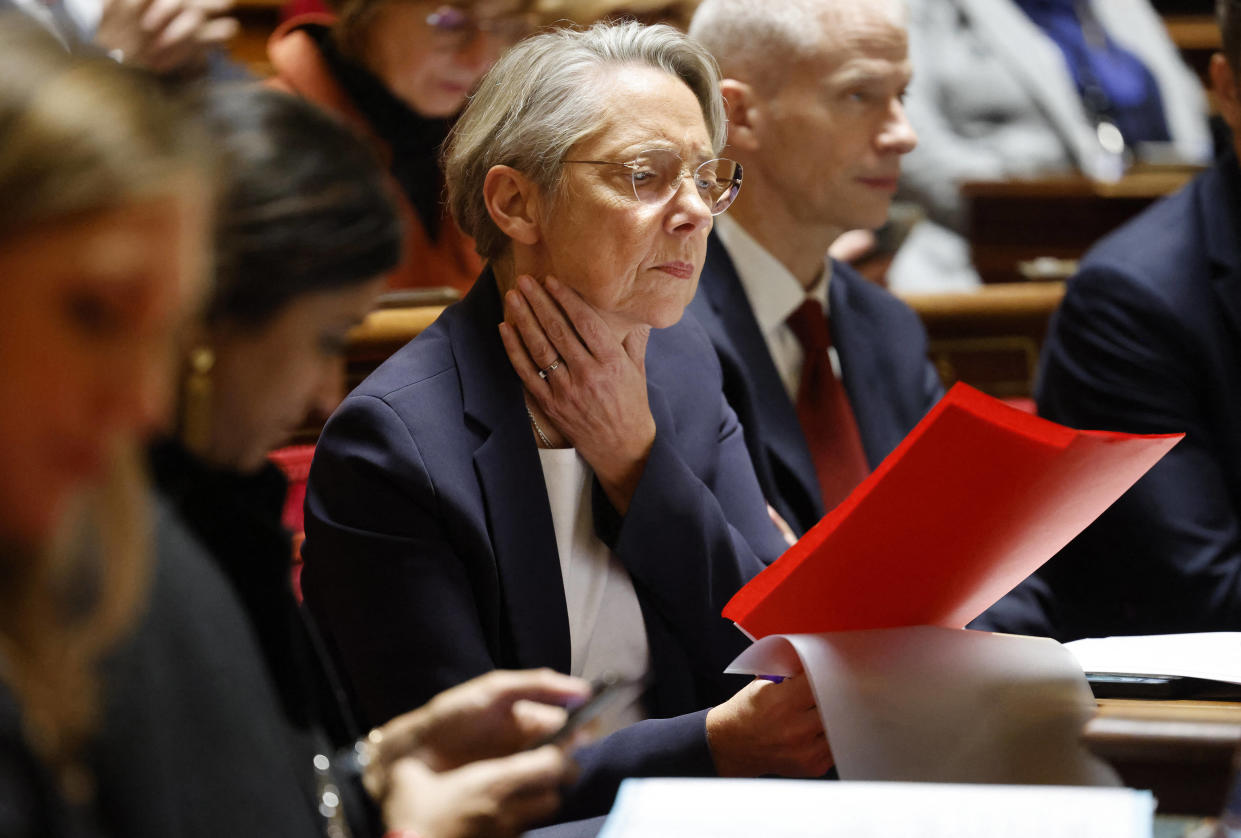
(826, 371)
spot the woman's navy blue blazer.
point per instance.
(430, 555)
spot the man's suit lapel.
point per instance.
(507, 465)
(739, 335)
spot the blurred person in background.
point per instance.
(1146, 341)
(399, 71)
(173, 38)
(103, 226)
(224, 715)
(1028, 88)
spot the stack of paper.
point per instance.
(931, 704)
(975, 499)
(1214, 656)
(871, 602)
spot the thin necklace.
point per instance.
(538, 430)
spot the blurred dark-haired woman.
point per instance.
(225, 717)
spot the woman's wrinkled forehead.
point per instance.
(642, 107)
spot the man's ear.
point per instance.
(740, 104)
(512, 202)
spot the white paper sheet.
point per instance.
(691, 808)
(1213, 655)
(929, 704)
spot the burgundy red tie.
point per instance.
(823, 409)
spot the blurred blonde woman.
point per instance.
(102, 225)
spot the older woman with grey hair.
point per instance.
(549, 475)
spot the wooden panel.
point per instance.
(1197, 38)
(1183, 751)
(1019, 221)
(990, 338)
(258, 19)
(372, 342)
(383, 332)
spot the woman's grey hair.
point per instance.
(543, 96)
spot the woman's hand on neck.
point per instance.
(528, 261)
(588, 381)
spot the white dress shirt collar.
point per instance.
(774, 293)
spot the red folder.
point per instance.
(976, 498)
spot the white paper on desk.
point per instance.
(1213, 655)
(691, 808)
(930, 704)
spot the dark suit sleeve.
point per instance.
(689, 542)
(1167, 555)
(692, 543)
(381, 575)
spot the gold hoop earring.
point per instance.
(196, 400)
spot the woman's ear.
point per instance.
(740, 104)
(512, 202)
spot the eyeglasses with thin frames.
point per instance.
(657, 173)
(455, 26)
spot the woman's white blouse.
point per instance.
(606, 631)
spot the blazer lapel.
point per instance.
(1039, 65)
(780, 430)
(507, 465)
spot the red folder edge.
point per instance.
(961, 397)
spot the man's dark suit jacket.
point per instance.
(430, 555)
(1148, 340)
(883, 358)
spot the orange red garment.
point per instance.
(300, 69)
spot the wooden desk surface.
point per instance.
(1148, 183)
(1184, 751)
(386, 330)
(1193, 32)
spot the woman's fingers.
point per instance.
(557, 326)
(590, 328)
(534, 720)
(769, 728)
(542, 685)
(521, 316)
(490, 797)
(519, 356)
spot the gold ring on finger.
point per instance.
(550, 368)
